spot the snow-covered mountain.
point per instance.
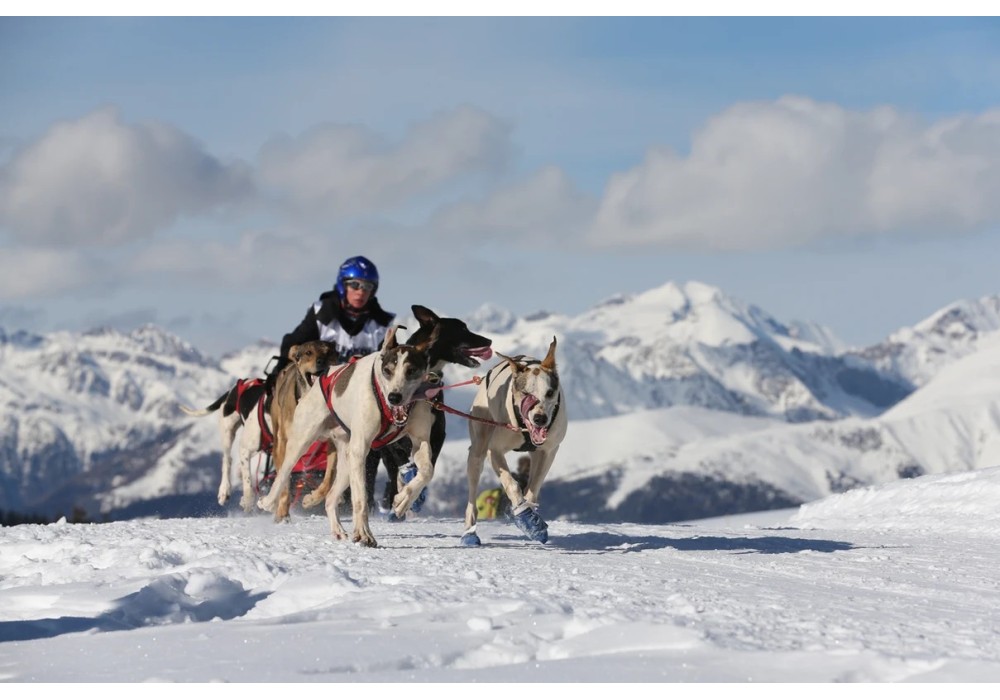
(683, 403)
(916, 354)
(669, 464)
(91, 421)
(692, 345)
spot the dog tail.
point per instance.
(212, 408)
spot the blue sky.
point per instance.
(209, 174)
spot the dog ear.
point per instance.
(390, 338)
(514, 364)
(433, 338)
(293, 353)
(549, 363)
(424, 316)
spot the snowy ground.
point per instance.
(895, 583)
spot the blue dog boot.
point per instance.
(409, 471)
(470, 538)
(531, 524)
(393, 518)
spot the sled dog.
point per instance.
(308, 361)
(523, 393)
(450, 341)
(359, 406)
(246, 405)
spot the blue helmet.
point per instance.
(357, 268)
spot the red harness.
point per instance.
(266, 437)
(244, 384)
(388, 430)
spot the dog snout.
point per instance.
(394, 398)
(540, 419)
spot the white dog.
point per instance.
(360, 406)
(524, 394)
(243, 406)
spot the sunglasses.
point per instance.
(359, 284)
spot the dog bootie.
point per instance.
(470, 538)
(267, 480)
(393, 518)
(409, 471)
(531, 524)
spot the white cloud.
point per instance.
(39, 273)
(543, 207)
(255, 258)
(341, 171)
(774, 174)
(99, 181)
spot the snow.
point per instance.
(890, 583)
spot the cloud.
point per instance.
(258, 259)
(782, 173)
(343, 171)
(99, 181)
(543, 207)
(45, 273)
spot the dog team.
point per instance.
(347, 391)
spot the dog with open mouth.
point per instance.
(247, 405)
(360, 406)
(448, 341)
(519, 407)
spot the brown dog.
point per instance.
(309, 360)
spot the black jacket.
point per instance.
(326, 320)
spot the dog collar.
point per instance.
(388, 430)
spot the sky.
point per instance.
(209, 174)
(895, 583)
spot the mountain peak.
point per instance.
(490, 318)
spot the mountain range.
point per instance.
(683, 401)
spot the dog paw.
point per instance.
(471, 539)
(266, 503)
(407, 476)
(393, 518)
(531, 524)
(365, 540)
(401, 504)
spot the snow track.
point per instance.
(242, 599)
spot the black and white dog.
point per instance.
(358, 406)
(448, 341)
(519, 406)
(246, 402)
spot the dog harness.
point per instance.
(262, 406)
(266, 437)
(388, 430)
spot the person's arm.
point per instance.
(303, 333)
(306, 331)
